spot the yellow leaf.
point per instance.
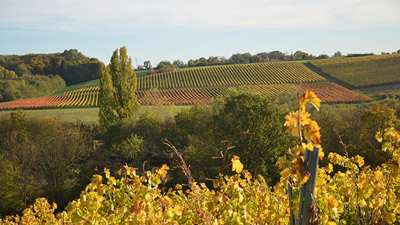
(293, 119)
(390, 218)
(302, 178)
(107, 172)
(359, 159)
(236, 164)
(285, 173)
(281, 163)
(332, 203)
(247, 175)
(321, 154)
(296, 151)
(379, 137)
(148, 197)
(311, 132)
(163, 171)
(328, 168)
(362, 203)
(309, 97)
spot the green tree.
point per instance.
(117, 90)
(147, 65)
(11, 199)
(337, 54)
(44, 157)
(376, 118)
(3, 61)
(254, 126)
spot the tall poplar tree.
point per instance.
(118, 83)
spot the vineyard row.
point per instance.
(88, 97)
(231, 75)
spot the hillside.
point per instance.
(71, 65)
(362, 71)
(232, 75)
(202, 84)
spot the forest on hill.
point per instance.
(35, 75)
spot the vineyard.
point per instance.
(231, 75)
(201, 85)
(363, 71)
(88, 97)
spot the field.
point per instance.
(90, 115)
(203, 84)
(362, 71)
(88, 97)
(231, 75)
(331, 92)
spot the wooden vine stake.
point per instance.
(306, 205)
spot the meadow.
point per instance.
(90, 115)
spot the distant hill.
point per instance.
(72, 66)
(362, 71)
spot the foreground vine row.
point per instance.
(355, 194)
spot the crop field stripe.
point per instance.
(195, 79)
(226, 75)
(67, 99)
(166, 80)
(73, 97)
(205, 77)
(231, 75)
(210, 78)
(87, 96)
(223, 77)
(189, 80)
(256, 74)
(201, 78)
(93, 93)
(80, 99)
(89, 99)
(242, 79)
(198, 80)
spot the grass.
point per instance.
(90, 115)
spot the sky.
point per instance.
(158, 30)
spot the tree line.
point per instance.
(242, 58)
(35, 75)
(13, 87)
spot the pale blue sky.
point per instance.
(159, 30)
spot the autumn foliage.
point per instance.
(355, 194)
